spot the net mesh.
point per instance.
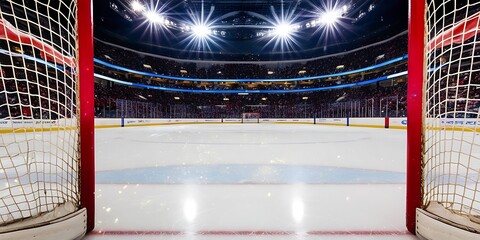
(250, 117)
(39, 159)
(452, 100)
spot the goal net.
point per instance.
(251, 117)
(39, 119)
(450, 151)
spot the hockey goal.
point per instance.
(251, 117)
(46, 119)
(443, 166)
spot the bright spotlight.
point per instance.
(330, 17)
(136, 6)
(283, 30)
(200, 28)
(154, 17)
(155, 24)
(331, 20)
(283, 35)
(201, 31)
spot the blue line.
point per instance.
(254, 174)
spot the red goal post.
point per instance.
(47, 180)
(443, 152)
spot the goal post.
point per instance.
(416, 74)
(250, 117)
(443, 142)
(87, 109)
(46, 119)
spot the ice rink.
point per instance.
(250, 181)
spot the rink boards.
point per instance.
(399, 123)
(8, 126)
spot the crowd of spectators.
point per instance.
(33, 91)
(253, 85)
(453, 84)
(39, 92)
(205, 86)
(29, 90)
(357, 59)
(455, 95)
(204, 105)
(456, 92)
(178, 104)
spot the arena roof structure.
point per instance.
(247, 30)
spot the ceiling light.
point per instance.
(136, 6)
(330, 17)
(154, 17)
(283, 30)
(201, 31)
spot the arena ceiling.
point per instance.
(247, 30)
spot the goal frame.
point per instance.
(87, 109)
(81, 221)
(424, 224)
(416, 74)
(256, 121)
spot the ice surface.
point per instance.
(256, 181)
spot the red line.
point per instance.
(362, 232)
(246, 233)
(254, 184)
